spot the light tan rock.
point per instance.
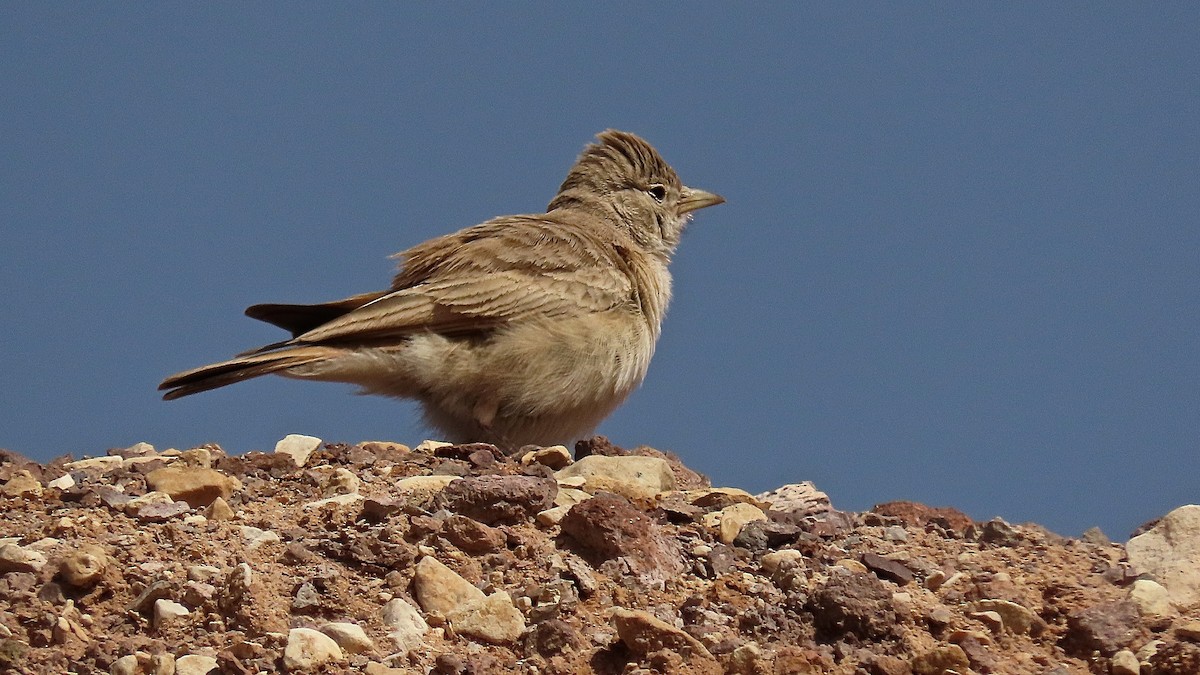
(196, 486)
(1170, 552)
(195, 664)
(349, 636)
(421, 490)
(15, 558)
(84, 566)
(219, 510)
(309, 649)
(493, 619)
(729, 521)
(643, 633)
(631, 476)
(63, 482)
(22, 484)
(405, 625)
(1017, 618)
(298, 447)
(102, 464)
(555, 457)
(1124, 662)
(1152, 599)
(166, 611)
(441, 590)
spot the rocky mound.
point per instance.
(378, 558)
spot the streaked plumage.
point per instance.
(522, 329)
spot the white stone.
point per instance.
(126, 665)
(428, 446)
(103, 463)
(1151, 598)
(309, 649)
(337, 500)
(349, 636)
(1124, 662)
(406, 626)
(63, 482)
(14, 558)
(1170, 552)
(298, 447)
(493, 619)
(631, 476)
(195, 664)
(256, 537)
(440, 589)
(166, 611)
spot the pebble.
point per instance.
(337, 500)
(420, 490)
(493, 619)
(1151, 598)
(166, 611)
(643, 633)
(309, 649)
(940, 659)
(195, 664)
(298, 447)
(101, 463)
(15, 558)
(219, 510)
(349, 636)
(729, 521)
(439, 589)
(196, 486)
(1017, 618)
(255, 537)
(84, 566)
(555, 457)
(428, 446)
(63, 482)
(1170, 552)
(406, 626)
(797, 498)
(22, 484)
(630, 476)
(1124, 662)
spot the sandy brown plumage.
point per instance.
(522, 329)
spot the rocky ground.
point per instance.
(378, 558)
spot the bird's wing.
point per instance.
(480, 278)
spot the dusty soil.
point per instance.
(211, 572)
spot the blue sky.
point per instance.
(958, 262)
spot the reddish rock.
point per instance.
(608, 526)
(1106, 628)
(498, 499)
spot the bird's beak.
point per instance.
(692, 199)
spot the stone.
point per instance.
(856, 604)
(1152, 600)
(1170, 553)
(100, 464)
(349, 636)
(126, 665)
(14, 558)
(439, 589)
(219, 510)
(1189, 631)
(798, 499)
(341, 482)
(63, 482)
(160, 512)
(428, 446)
(1124, 662)
(84, 566)
(1017, 618)
(22, 484)
(888, 569)
(630, 476)
(166, 611)
(554, 456)
(493, 619)
(405, 625)
(196, 486)
(309, 649)
(255, 537)
(940, 659)
(1106, 628)
(729, 521)
(772, 562)
(298, 447)
(607, 526)
(195, 664)
(472, 536)
(495, 499)
(197, 457)
(341, 501)
(643, 633)
(421, 490)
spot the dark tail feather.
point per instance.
(236, 370)
(300, 319)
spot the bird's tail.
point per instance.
(242, 368)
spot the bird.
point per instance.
(521, 330)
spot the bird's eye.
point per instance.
(659, 192)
